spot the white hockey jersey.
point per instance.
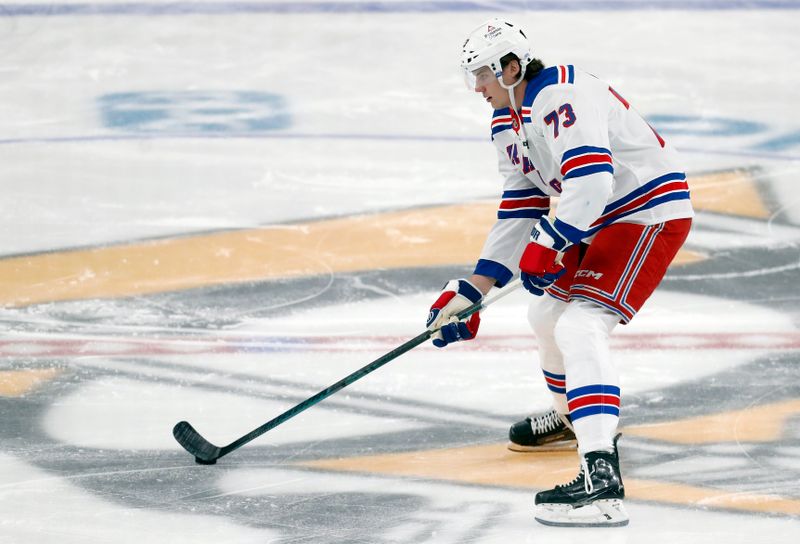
(576, 138)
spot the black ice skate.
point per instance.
(547, 432)
(593, 499)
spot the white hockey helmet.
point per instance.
(488, 43)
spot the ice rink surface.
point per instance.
(214, 210)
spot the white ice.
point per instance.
(379, 120)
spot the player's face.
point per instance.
(490, 88)
(487, 84)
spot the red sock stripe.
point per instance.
(588, 400)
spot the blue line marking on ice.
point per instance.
(169, 112)
(335, 136)
(442, 6)
(704, 126)
(781, 143)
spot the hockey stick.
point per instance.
(206, 453)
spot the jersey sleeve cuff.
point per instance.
(573, 234)
(493, 269)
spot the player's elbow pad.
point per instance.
(584, 199)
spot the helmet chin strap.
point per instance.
(510, 89)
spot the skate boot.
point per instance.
(547, 432)
(593, 499)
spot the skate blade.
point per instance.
(602, 513)
(564, 445)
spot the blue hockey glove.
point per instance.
(457, 295)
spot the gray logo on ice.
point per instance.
(181, 112)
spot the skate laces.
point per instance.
(588, 486)
(546, 423)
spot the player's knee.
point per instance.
(583, 326)
(543, 313)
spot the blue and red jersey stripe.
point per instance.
(523, 203)
(501, 123)
(586, 160)
(663, 189)
(566, 74)
(553, 75)
(504, 119)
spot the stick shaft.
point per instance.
(327, 392)
(330, 390)
(360, 373)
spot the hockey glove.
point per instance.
(457, 295)
(539, 265)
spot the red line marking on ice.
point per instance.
(48, 348)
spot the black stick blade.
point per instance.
(205, 453)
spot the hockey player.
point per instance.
(623, 212)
